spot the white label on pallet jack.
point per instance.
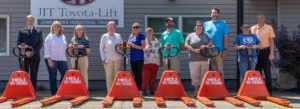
(170, 80)
(18, 81)
(72, 80)
(213, 81)
(254, 80)
(124, 82)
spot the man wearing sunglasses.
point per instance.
(266, 36)
(219, 32)
(175, 37)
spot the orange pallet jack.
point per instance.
(72, 85)
(253, 85)
(124, 86)
(18, 81)
(212, 86)
(170, 86)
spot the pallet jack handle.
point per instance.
(250, 48)
(75, 54)
(210, 46)
(168, 47)
(124, 54)
(22, 49)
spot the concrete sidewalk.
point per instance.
(148, 102)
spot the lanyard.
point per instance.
(79, 42)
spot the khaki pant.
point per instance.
(218, 61)
(175, 64)
(197, 71)
(83, 68)
(111, 70)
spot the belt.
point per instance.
(265, 48)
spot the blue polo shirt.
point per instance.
(217, 30)
(175, 37)
(137, 54)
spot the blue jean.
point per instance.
(244, 68)
(62, 66)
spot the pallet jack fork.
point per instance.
(124, 86)
(170, 86)
(253, 85)
(212, 86)
(73, 85)
(19, 80)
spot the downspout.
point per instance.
(278, 2)
(240, 20)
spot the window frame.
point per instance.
(7, 35)
(180, 21)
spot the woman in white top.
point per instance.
(55, 55)
(111, 60)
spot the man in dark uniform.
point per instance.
(33, 37)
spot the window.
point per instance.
(183, 23)
(4, 35)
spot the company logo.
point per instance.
(170, 80)
(213, 81)
(78, 2)
(248, 40)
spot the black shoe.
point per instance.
(195, 95)
(145, 93)
(151, 92)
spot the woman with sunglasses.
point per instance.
(240, 43)
(198, 64)
(137, 42)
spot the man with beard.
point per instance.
(33, 37)
(175, 37)
(266, 36)
(219, 32)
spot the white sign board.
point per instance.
(89, 13)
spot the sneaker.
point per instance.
(151, 92)
(195, 95)
(145, 93)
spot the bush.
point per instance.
(289, 50)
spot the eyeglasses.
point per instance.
(136, 27)
(199, 25)
(246, 27)
(149, 32)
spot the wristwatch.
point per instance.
(225, 49)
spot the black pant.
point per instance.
(265, 64)
(137, 69)
(34, 68)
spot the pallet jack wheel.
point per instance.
(138, 105)
(255, 104)
(16, 105)
(106, 106)
(76, 104)
(45, 104)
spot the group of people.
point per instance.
(54, 51)
(145, 59)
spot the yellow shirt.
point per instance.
(264, 34)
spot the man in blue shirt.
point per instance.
(175, 37)
(219, 32)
